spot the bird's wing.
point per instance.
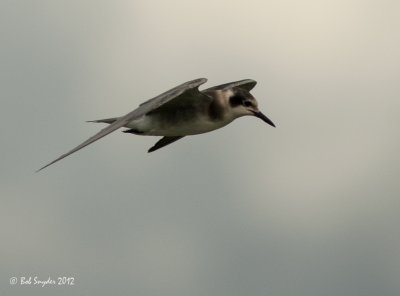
(164, 141)
(187, 88)
(152, 104)
(246, 84)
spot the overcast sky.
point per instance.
(309, 208)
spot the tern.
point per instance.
(182, 111)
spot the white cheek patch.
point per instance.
(228, 93)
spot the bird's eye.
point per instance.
(247, 103)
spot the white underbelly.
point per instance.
(148, 125)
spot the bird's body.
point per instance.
(205, 116)
(182, 124)
(183, 111)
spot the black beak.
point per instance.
(263, 117)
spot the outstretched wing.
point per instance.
(152, 104)
(246, 84)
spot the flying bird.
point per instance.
(183, 111)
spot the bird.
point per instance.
(183, 111)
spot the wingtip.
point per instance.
(43, 167)
(199, 81)
(37, 171)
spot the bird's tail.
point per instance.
(106, 120)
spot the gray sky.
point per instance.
(309, 208)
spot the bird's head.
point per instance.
(242, 103)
